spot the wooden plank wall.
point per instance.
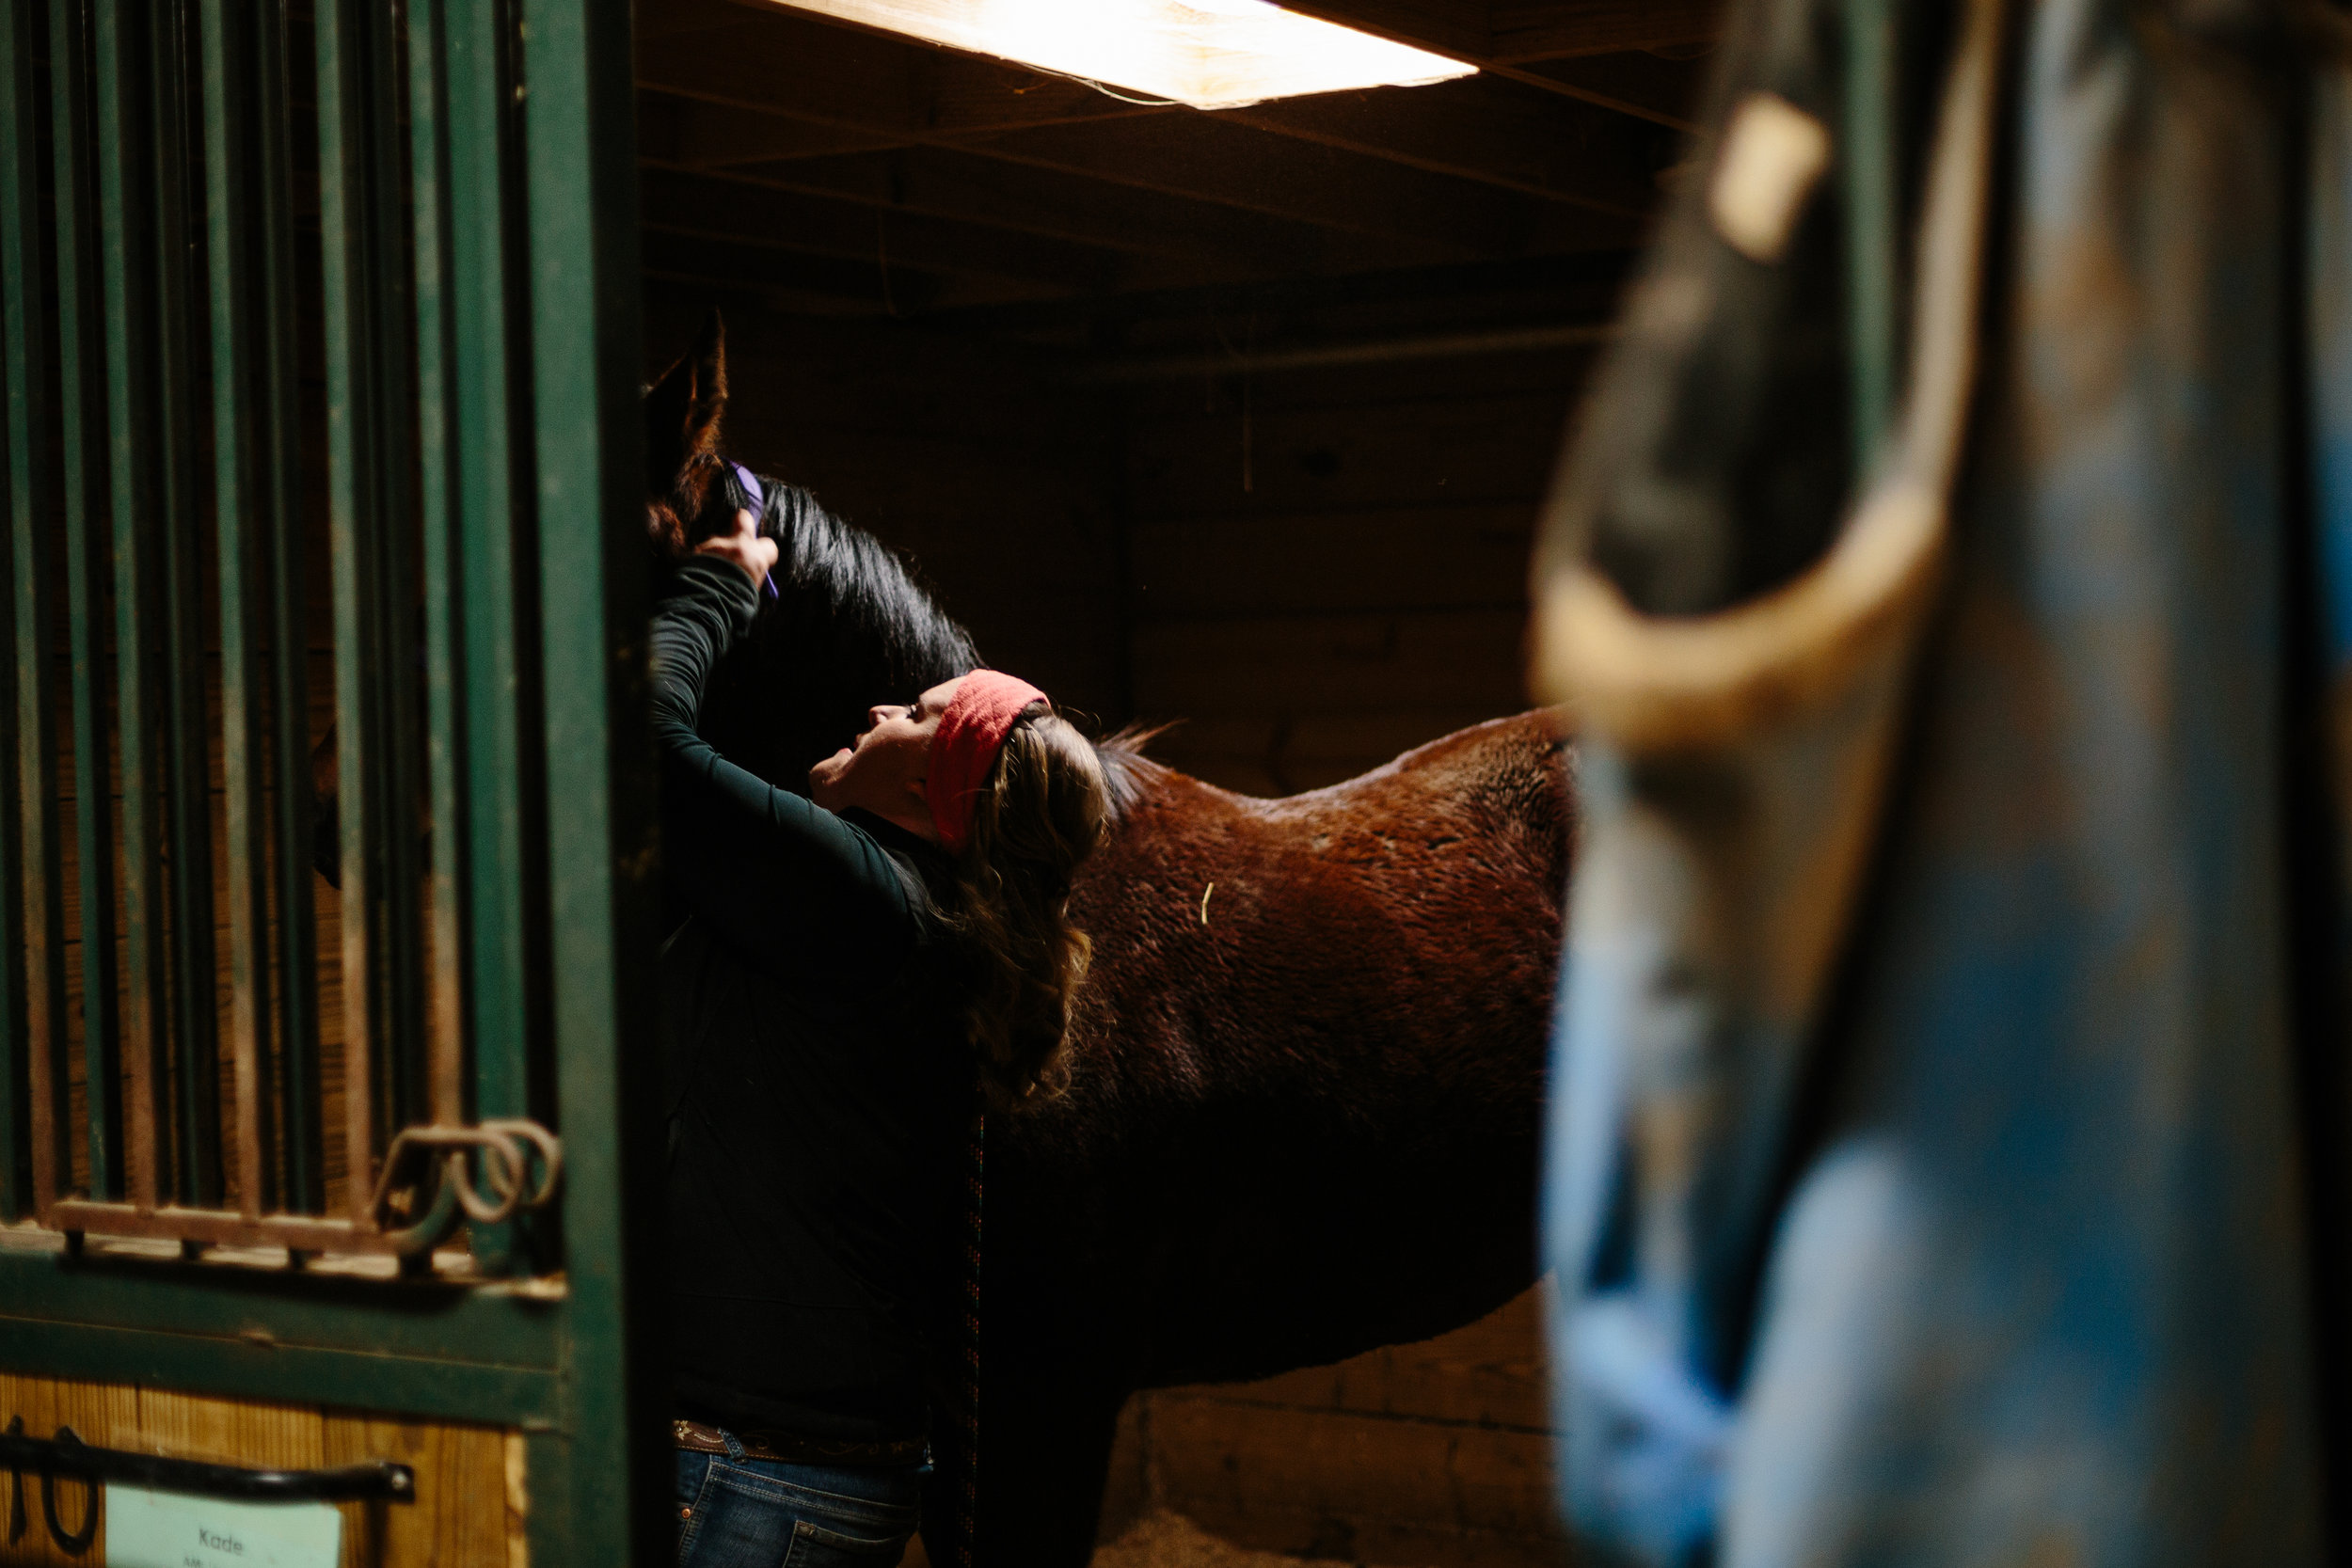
(1433, 1453)
(998, 485)
(1359, 589)
(1330, 565)
(1313, 571)
(327, 904)
(471, 1486)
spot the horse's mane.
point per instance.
(851, 606)
(1129, 773)
(868, 592)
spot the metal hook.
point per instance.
(17, 1522)
(499, 1157)
(74, 1543)
(551, 1150)
(504, 1173)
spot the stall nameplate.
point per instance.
(170, 1530)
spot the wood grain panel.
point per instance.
(1332, 664)
(1493, 1372)
(1463, 449)
(468, 1506)
(1403, 558)
(1364, 594)
(1375, 1488)
(1434, 1454)
(100, 1414)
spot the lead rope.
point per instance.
(968, 1415)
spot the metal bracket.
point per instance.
(502, 1149)
(67, 1455)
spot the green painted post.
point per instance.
(446, 583)
(506, 773)
(242, 529)
(82, 409)
(606, 1469)
(127, 258)
(38, 1165)
(482, 675)
(176, 533)
(496, 515)
(461, 105)
(527, 340)
(279, 497)
(16, 1085)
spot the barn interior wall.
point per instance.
(1438, 1454)
(1328, 564)
(999, 486)
(472, 1484)
(1303, 572)
(1312, 569)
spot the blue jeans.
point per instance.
(736, 1512)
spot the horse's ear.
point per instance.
(709, 356)
(683, 408)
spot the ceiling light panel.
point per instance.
(1209, 54)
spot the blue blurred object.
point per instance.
(1941, 1151)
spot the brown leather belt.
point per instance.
(792, 1448)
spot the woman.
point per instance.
(850, 978)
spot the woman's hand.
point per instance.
(744, 547)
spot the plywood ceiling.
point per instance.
(840, 171)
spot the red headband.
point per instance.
(971, 733)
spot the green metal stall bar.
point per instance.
(320, 343)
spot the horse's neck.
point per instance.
(879, 624)
(850, 629)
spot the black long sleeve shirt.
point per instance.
(819, 1081)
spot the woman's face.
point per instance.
(884, 771)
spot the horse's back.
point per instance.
(1442, 867)
(1312, 1048)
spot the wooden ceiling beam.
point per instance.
(1352, 189)
(1208, 159)
(1501, 36)
(703, 207)
(878, 88)
(688, 132)
(1480, 127)
(1155, 232)
(1337, 181)
(1645, 85)
(1525, 30)
(824, 283)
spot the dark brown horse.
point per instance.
(1310, 1053)
(1304, 1118)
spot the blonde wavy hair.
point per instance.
(1041, 813)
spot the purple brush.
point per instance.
(755, 498)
